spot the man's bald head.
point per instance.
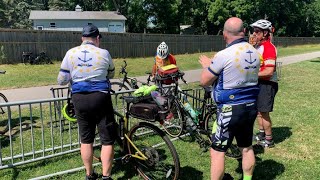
(234, 26)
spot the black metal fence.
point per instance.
(120, 45)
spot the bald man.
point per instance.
(233, 75)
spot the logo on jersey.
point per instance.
(85, 60)
(249, 65)
(250, 61)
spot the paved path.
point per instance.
(44, 92)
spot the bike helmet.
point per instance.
(162, 50)
(68, 112)
(262, 24)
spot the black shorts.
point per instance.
(234, 121)
(268, 91)
(95, 109)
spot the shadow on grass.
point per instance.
(316, 61)
(190, 173)
(281, 133)
(268, 169)
(14, 172)
(128, 169)
(15, 129)
(15, 123)
(264, 170)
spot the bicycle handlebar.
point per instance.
(173, 76)
(123, 68)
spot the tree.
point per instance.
(164, 15)
(136, 17)
(195, 13)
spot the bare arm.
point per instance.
(207, 78)
(267, 72)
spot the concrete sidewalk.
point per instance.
(44, 92)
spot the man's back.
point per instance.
(237, 69)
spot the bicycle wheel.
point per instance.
(3, 118)
(233, 151)
(210, 119)
(3, 99)
(163, 160)
(118, 86)
(173, 124)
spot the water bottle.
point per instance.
(192, 112)
(191, 126)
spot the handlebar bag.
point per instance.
(145, 111)
(166, 72)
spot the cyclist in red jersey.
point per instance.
(268, 84)
(163, 58)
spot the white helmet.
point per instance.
(262, 24)
(162, 50)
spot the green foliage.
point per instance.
(164, 15)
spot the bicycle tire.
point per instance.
(3, 99)
(163, 161)
(233, 151)
(118, 86)
(174, 126)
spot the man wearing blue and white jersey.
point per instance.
(234, 71)
(88, 69)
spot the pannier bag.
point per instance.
(166, 71)
(145, 111)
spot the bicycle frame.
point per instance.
(124, 139)
(205, 106)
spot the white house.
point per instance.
(106, 21)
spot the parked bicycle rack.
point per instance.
(37, 130)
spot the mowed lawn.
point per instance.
(26, 75)
(296, 133)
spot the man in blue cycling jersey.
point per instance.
(234, 71)
(88, 68)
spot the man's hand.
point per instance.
(204, 61)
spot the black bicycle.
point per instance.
(3, 99)
(199, 126)
(41, 58)
(127, 82)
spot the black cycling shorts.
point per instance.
(234, 121)
(268, 91)
(95, 110)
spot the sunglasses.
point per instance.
(257, 30)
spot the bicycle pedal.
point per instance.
(125, 159)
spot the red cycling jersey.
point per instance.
(269, 57)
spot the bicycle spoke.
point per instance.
(161, 163)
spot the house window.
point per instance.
(52, 25)
(39, 27)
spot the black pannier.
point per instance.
(145, 111)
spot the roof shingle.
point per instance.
(97, 15)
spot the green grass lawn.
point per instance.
(21, 75)
(295, 128)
